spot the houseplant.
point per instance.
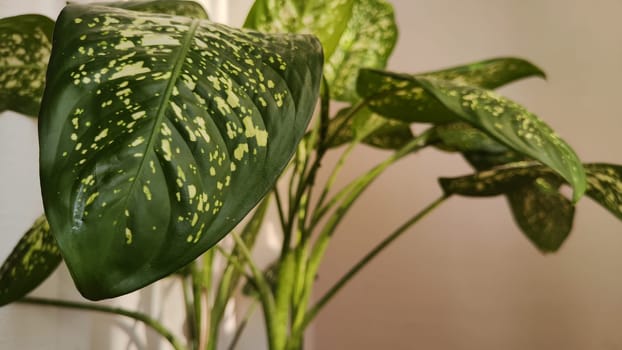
(396, 131)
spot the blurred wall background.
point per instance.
(465, 278)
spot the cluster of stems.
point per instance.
(307, 225)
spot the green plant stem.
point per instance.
(274, 332)
(368, 258)
(190, 316)
(148, 321)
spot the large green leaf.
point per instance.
(187, 8)
(367, 42)
(544, 215)
(25, 44)
(400, 96)
(369, 128)
(512, 125)
(326, 19)
(604, 185)
(33, 259)
(159, 133)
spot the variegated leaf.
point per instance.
(605, 186)
(31, 262)
(489, 74)
(485, 161)
(496, 181)
(187, 8)
(369, 128)
(512, 125)
(176, 128)
(543, 214)
(25, 44)
(367, 42)
(326, 19)
(391, 94)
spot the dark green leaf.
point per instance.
(479, 149)
(485, 161)
(159, 134)
(31, 262)
(369, 128)
(463, 137)
(542, 213)
(496, 181)
(326, 19)
(25, 43)
(187, 8)
(400, 96)
(367, 42)
(512, 125)
(604, 185)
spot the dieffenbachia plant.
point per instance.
(160, 132)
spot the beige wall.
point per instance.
(465, 278)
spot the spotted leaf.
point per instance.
(512, 125)
(605, 186)
(33, 259)
(177, 7)
(390, 94)
(543, 214)
(326, 19)
(158, 135)
(25, 43)
(494, 182)
(369, 128)
(367, 42)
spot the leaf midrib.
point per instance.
(175, 74)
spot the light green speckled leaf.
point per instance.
(158, 135)
(187, 8)
(25, 44)
(604, 185)
(512, 125)
(326, 19)
(31, 262)
(391, 94)
(543, 214)
(369, 128)
(494, 182)
(367, 42)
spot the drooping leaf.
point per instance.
(367, 42)
(159, 134)
(543, 214)
(605, 186)
(326, 19)
(187, 8)
(31, 262)
(369, 128)
(494, 182)
(25, 44)
(391, 94)
(512, 125)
